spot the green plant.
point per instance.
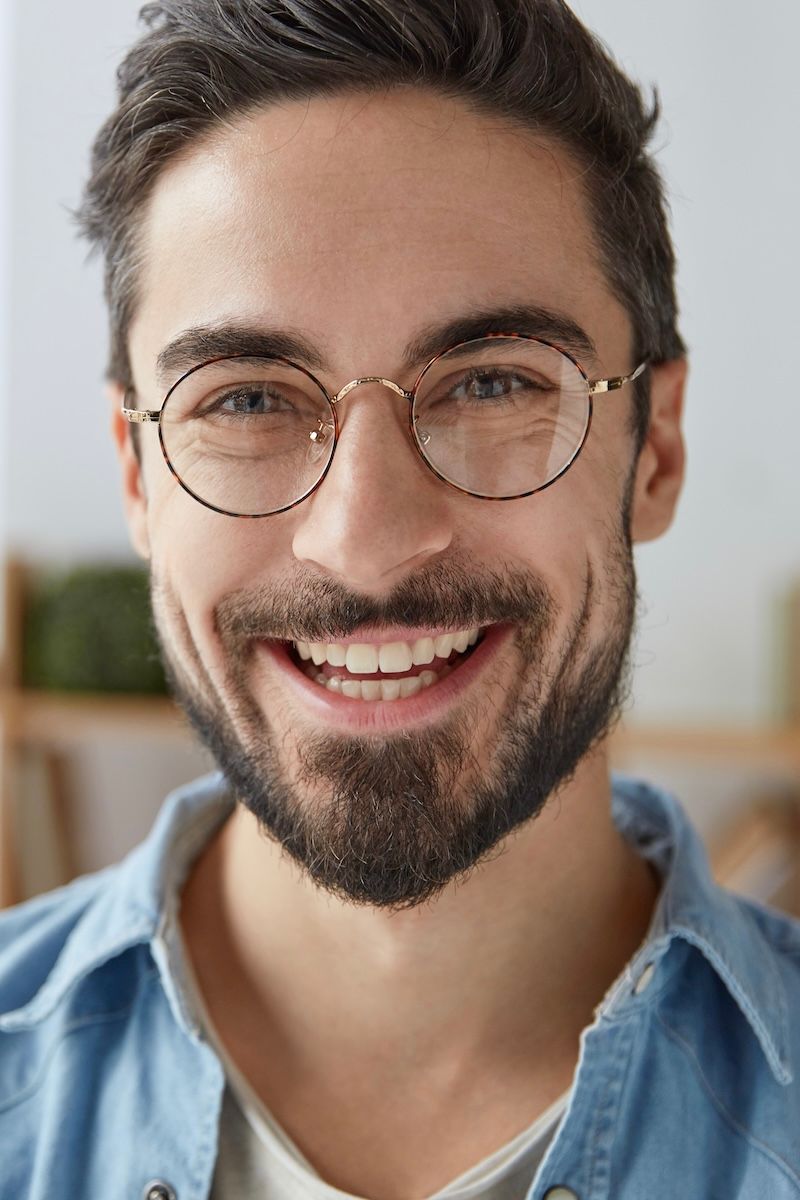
(89, 629)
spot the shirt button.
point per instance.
(560, 1193)
(158, 1189)
(644, 979)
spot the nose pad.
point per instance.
(366, 532)
(320, 439)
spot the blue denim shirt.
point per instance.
(685, 1085)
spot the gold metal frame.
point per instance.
(594, 387)
(598, 386)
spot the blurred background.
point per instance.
(90, 746)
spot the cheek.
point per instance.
(200, 558)
(546, 534)
(565, 534)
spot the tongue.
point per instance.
(342, 672)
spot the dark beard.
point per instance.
(406, 814)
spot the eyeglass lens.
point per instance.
(498, 417)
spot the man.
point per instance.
(395, 284)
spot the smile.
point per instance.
(381, 685)
(384, 671)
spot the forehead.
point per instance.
(356, 219)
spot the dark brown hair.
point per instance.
(202, 62)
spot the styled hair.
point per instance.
(201, 63)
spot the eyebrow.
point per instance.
(201, 343)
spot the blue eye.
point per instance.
(488, 385)
(252, 401)
(484, 386)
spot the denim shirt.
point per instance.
(685, 1084)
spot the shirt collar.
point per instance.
(137, 898)
(134, 897)
(694, 908)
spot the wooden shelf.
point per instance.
(56, 719)
(776, 747)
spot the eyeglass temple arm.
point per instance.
(140, 414)
(611, 385)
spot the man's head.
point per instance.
(356, 175)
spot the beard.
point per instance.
(390, 820)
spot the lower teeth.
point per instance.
(378, 689)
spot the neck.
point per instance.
(522, 949)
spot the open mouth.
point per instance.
(384, 671)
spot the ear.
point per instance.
(133, 493)
(660, 468)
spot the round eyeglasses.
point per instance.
(499, 417)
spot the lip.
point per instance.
(383, 716)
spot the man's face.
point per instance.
(356, 223)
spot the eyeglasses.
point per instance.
(499, 417)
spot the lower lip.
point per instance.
(382, 716)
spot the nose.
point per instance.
(379, 512)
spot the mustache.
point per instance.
(314, 608)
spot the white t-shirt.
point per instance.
(257, 1158)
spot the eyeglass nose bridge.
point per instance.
(421, 437)
(389, 383)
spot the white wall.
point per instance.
(728, 79)
(61, 479)
(6, 15)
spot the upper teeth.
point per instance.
(368, 658)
